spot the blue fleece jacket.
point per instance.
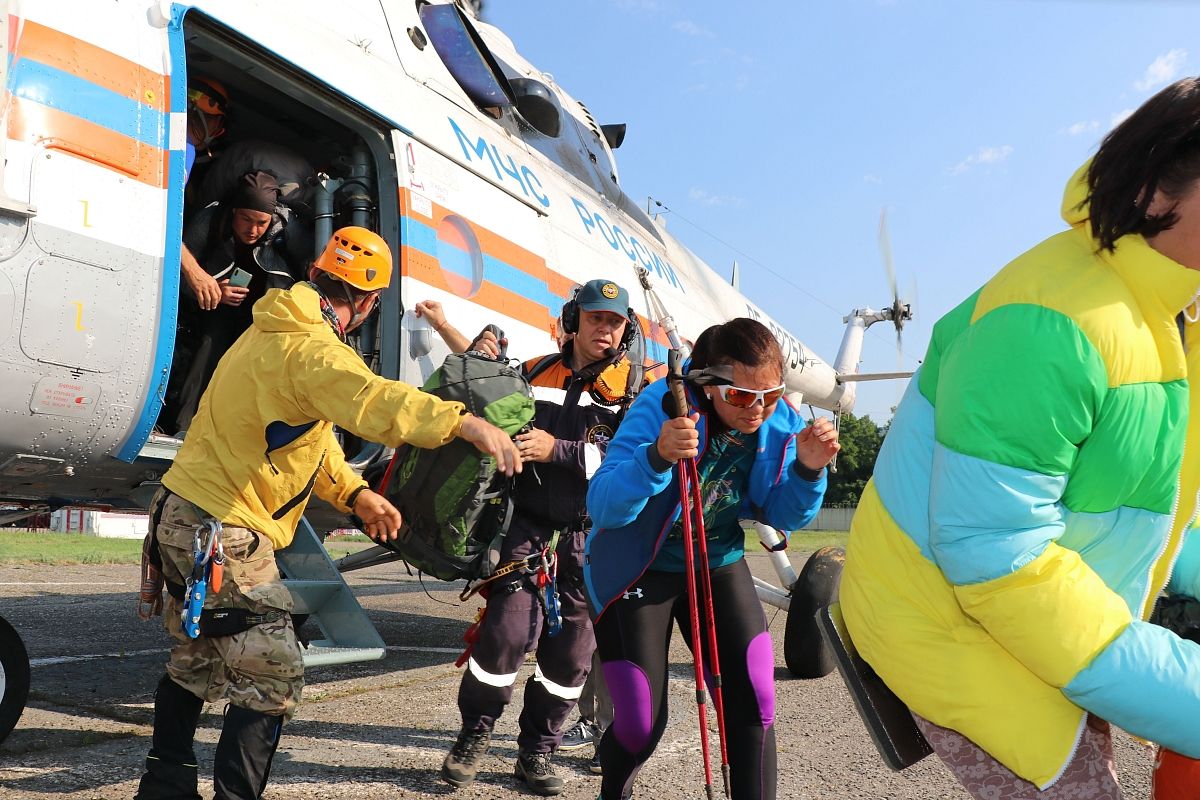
(633, 506)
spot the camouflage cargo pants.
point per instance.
(259, 669)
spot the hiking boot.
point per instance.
(594, 765)
(580, 735)
(538, 773)
(462, 762)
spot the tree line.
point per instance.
(861, 439)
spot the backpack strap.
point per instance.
(540, 367)
(386, 480)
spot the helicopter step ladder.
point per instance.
(318, 589)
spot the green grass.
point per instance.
(803, 541)
(25, 547)
(339, 546)
(43, 547)
(28, 547)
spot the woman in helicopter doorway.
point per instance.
(756, 458)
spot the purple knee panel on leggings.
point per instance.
(760, 664)
(633, 722)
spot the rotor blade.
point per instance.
(885, 249)
(914, 296)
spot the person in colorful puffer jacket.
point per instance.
(1034, 489)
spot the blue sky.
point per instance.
(783, 128)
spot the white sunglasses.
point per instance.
(738, 397)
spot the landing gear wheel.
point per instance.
(14, 678)
(804, 651)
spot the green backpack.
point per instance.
(456, 506)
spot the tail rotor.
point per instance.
(898, 312)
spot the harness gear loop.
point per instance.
(477, 587)
(547, 586)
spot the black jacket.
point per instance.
(581, 410)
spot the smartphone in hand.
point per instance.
(239, 277)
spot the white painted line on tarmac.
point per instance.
(54, 660)
(51, 661)
(66, 583)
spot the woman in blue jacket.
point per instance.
(756, 459)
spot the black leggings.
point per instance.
(633, 638)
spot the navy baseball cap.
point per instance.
(603, 295)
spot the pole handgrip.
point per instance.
(675, 377)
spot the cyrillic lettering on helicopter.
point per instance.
(595, 223)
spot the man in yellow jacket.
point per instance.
(261, 442)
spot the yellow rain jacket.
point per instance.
(262, 440)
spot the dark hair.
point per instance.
(741, 340)
(1156, 149)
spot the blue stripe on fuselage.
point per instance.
(52, 87)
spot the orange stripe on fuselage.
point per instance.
(57, 130)
(91, 63)
(425, 268)
(490, 242)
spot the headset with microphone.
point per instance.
(570, 320)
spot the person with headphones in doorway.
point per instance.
(580, 393)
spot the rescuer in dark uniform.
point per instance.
(580, 393)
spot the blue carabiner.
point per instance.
(553, 609)
(197, 583)
(550, 596)
(193, 605)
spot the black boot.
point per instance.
(244, 753)
(171, 765)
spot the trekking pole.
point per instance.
(674, 362)
(714, 660)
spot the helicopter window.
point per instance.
(538, 106)
(466, 56)
(460, 256)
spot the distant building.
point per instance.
(832, 518)
(99, 523)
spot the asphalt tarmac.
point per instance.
(380, 729)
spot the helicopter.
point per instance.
(497, 191)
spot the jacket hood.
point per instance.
(293, 310)
(1074, 204)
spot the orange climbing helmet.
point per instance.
(359, 257)
(208, 95)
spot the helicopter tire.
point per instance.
(804, 651)
(14, 678)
